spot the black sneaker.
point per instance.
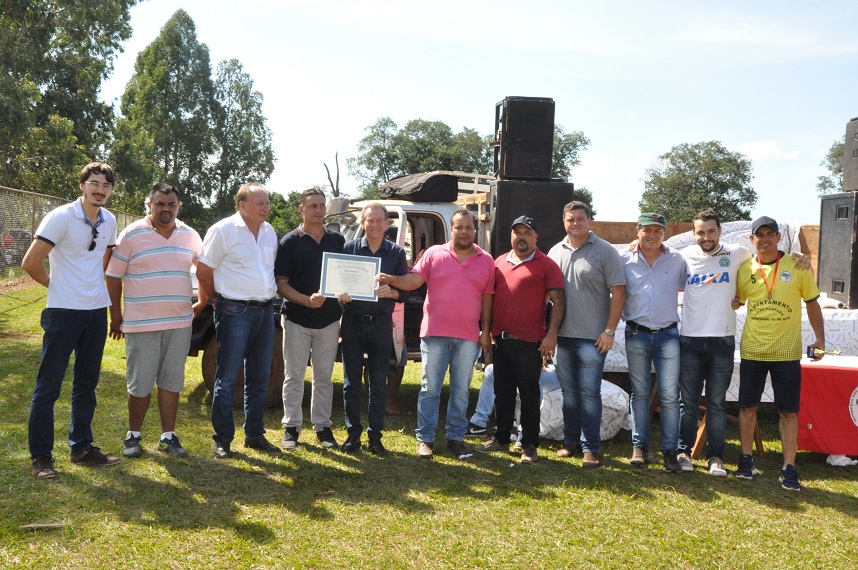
(457, 447)
(670, 462)
(259, 442)
(476, 431)
(43, 467)
(326, 438)
(133, 446)
(171, 447)
(747, 469)
(789, 478)
(352, 444)
(290, 439)
(94, 456)
(376, 448)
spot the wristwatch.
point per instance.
(609, 332)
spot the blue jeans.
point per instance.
(708, 359)
(245, 338)
(642, 351)
(67, 330)
(374, 339)
(439, 353)
(579, 372)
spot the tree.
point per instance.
(567, 150)
(283, 214)
(376, 161)
(692, 177)
(242, 136)
(833, 161)
(170, 96)
(54, 55)
(584, 195)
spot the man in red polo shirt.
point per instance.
(523, 278)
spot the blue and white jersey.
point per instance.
(710, 288)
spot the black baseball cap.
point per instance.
(764, 221)
(524, 220)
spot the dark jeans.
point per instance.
(67, 330)
(706, 360)
(375, 340)
(517, 366)
(245, 337)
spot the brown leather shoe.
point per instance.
(528, 455)
(638, 457)
(591, 460)
(424, 449)
(567, 450)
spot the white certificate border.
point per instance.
(328, 256)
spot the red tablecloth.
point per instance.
(828, 420)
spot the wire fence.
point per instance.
(21, 213)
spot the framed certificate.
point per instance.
(352, 274)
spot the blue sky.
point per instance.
(776, 81)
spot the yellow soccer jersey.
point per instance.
(772, 330)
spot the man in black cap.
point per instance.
(523, 278)
(771, 343)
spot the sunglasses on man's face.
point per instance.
(94, 235)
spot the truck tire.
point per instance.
(273, 398)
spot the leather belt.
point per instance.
(368, 318)
(640, 328)
(248, 302)
(507, 336)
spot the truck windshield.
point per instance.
(345, 223)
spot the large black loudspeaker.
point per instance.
(838, 251)
(541, 200)
(524, 128)
(850, 157)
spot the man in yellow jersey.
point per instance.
(771, 343)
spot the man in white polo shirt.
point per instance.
(236, 271)
(76, 239)
(154, 256)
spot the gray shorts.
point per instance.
(156, 356)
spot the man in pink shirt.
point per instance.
(154, 256)
(456, 324)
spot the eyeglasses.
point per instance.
(95, 185)
(94, 235)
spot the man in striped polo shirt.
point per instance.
(154, 257)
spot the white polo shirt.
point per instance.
(243, 265)
(77, 274)
(709, 290)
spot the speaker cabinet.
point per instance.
(541, 200)
(838, 253)
(850, 157)
(524, 128)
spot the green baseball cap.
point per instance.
(651, 219)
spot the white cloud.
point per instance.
(766, 150)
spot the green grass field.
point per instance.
(317, 509)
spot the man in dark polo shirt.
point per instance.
(367, 329)
(311, 322)
(523, 278)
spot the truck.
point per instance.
(421, 221)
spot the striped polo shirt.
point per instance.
(157, 273)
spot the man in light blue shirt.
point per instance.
(654, 276)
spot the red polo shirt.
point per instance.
(520, 292)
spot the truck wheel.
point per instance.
(273, 398)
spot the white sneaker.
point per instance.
(684, 462)
(716, 467)
(840, 461)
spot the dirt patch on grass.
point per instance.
(17, 284)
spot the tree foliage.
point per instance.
(242, 136)
(567, 151)
(420, 146)
(833, 162)
(54, 55)
(692, 177)
(584, 195)
(170, 96)
(283, 214)
(207, 136)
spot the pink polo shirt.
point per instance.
(157, 274)
(454, 291)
